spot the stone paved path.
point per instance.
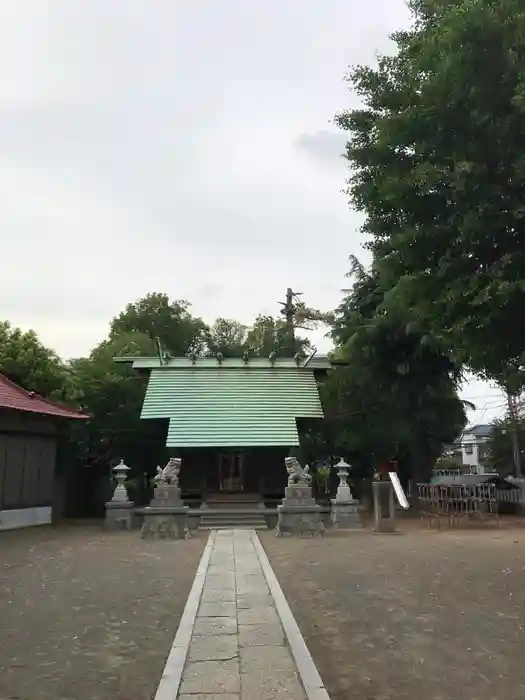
(237, 648)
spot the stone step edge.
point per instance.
(236, 527)
(307, 670)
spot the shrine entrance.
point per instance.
(231, 472)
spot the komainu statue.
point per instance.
(296, 474)
(170, 473)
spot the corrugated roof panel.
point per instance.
(220, 407)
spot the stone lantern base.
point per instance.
(345, 516)
(119, 515)
(299, 514)
(345, 510)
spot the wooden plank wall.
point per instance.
(27, 461)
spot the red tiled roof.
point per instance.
(14, 397)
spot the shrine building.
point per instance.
(232, 421)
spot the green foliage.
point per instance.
(112, 394)
(322, 477)
(396, 397)
(269, 334)
(500, 449)
(155, 316)
(180, 333)
(438, 169)
(449, 463)
(28, 363)
(227, 337)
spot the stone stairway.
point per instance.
(233, 519)
(227, 512)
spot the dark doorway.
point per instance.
(231, 472)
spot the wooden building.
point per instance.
(232, 421)
(28, 442)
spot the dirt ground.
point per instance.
(418, 616)
(89, 615)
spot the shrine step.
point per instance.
(233, 501)
(233, 520)
(236, 526)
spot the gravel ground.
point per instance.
(422, 615)
(89, 615)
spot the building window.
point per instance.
(483, 452)
(469, 449)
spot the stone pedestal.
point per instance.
(345, 513)
(166, 518)
(299, 514)
(119, 515)
(166, 495)
(384, 507)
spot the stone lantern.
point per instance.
(121, 474)
(119, 511)
(345, 514)
(344, 494)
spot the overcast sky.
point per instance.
(183, 146)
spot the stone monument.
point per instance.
(384, 506)
(299, 514)
(345, 513)
(119, 511)
(166, 517)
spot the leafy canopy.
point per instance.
(438, 168)
(227, 337)
(500, 448)
(28, 363)
(396, 397)
(269, 334)
(156, 316)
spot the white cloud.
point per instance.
(153, 147)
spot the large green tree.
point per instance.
(501, 446)
(112, 394)
(396, 396)
(27, 362)
(269, 334)
(156, 316)
(226, 336)
(438, 169)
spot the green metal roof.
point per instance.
(316, 362)
(240, 406)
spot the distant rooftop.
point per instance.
(480, 430)
(15, 398)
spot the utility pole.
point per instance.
(298, 315)
(514, 433)
(288, 311)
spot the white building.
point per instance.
(474, 449)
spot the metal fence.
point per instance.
(514, 496)
(457, 504)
